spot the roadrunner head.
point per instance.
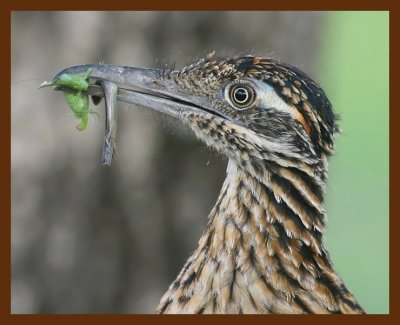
(257, 111)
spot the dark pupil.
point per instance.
(241, 95)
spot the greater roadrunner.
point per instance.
(262, 249)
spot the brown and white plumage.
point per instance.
(262, 249)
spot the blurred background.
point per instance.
(86, 239)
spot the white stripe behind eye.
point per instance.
(268, 98)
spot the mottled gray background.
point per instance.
(86, 239)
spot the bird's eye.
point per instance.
(241, 96)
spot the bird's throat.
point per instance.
(261, 252)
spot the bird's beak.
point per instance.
(156, 89)
(152, 88)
